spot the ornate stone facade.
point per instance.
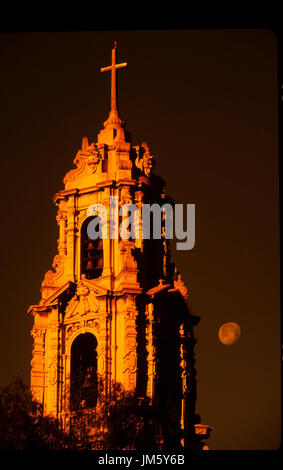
(130, 350)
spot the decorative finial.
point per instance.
(84, 143)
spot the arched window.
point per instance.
(83, 393)
(91, 253)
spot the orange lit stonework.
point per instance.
(129, 297)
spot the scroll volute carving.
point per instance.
(86, 161)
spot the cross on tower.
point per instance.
(113, 67)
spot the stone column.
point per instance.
(61, 219)
(107, 271)
(70, 239)
(139, 203)
(102, 360)
(37, 364)
(184, 336)
(151, 350)
(52, 370)
(130, 345)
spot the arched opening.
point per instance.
(152, 265)
(91, 252)
(83, 393)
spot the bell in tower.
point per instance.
(83, 372)
(92, 254)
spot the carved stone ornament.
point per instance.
(51, 277)
(71, 329)
(83, 302)
(145, 161)
(180, 285)
(93, 158)
(73, 175)
(52, 373)
(93, 324)
(48, 280)
(86, 161)
(125, 197)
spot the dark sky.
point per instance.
(206, 104)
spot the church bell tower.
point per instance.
(112, 309)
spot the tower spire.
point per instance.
(113, 67)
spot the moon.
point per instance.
(229, 333)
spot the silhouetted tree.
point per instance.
(119, 421)
(129, 421)
(22, 425)
(123, 421)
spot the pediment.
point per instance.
(96, 290)
(84, 301)
(54, 297)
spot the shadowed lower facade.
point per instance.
(113, 310)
